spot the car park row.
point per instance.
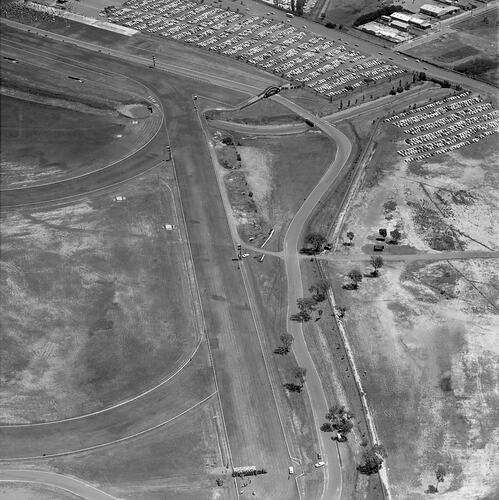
(306, 58)
(464, 119)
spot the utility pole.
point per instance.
(239, 255)
(169, 151)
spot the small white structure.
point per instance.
(119, 198)
(291, 470)
(169, 227)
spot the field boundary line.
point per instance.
(109, 443)
(34, 481)
(80, 195)
(109, 164)
(113, 407)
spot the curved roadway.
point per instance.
(67, 483)
(319, 403)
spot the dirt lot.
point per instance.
(424, 333)
(78, 284)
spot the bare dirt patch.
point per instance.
(423, 333)
(271, 179)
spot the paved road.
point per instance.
(284, 129)
(292, 239)
(410, 257)
(67, 483)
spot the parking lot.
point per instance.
(445, 125)
(330, 69)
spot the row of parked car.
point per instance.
(426, 107)
(454, 127)
(465, 133)
(446, 124)
(458, 145)
(436, 111)
(277, 47)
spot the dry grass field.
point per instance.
(95, 302)
(469, 46)
(103, 119)
(424, 333)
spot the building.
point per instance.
(400, 16)
(400, 25)
(414, 20)
(386, 32)
(436, 10)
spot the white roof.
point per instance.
(437, 9)
(400, 16)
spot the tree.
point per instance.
(293, 387)
(307, 304)
(350, 236)
(440, 475)
(299, 373)
(372, 460)
(339, 419)
(287, 340)
(356, 276)
(301, 316)
(377, 263)
(317, 241)
(396, 235)
(319, 290)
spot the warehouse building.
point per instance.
(436, 10)
(414, 20)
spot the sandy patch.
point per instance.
(257, 165)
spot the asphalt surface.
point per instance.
(292, 239)
(261, 130)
